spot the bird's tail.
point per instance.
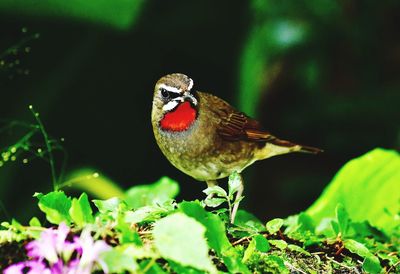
(312, 150)
(295, 147)
(276, 146)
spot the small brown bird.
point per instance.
(205, 137)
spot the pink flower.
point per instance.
(52, 242)
(91, 251)
(53, 248)
(29, 267)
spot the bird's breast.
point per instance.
(179, 119)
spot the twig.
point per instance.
(242, 240)
(292, 267)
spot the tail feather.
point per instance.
(296, 147)
(312, 150)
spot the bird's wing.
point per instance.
(235, 126)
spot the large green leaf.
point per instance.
(216, 236)
(368, 187)
(182, 239)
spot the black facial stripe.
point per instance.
(168, 95)
(173, 94)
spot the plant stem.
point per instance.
(149, 265)
(48, 146)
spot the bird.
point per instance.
(205, 137)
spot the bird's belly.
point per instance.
(204, 156)
(206, 167)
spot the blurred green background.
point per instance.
(322, 73)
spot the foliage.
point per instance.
(120, 13)
(368, 180)
(216, 195)
(162, 236)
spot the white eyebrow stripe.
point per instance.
(190, 84)
(171, 89)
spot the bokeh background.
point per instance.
(322, 73)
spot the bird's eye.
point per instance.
(164, 93)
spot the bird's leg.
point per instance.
(212, 183)
(237, 199)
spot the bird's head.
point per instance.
(175, 105)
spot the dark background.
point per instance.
(325, 73)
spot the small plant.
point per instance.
(216, 195)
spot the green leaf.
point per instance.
(215, 190)
(281, 244)
(298, 249)
(327, 227)
(274, 225)
(56, 206)
(34, 233)
(215, 227)
(249, 222)
(262, 244)
(357, 248)
(343, 219)
(80, 211)
(119, 261)
(234, 184)
(216, 235)
(372, 265)
(109, 205)
(182, 239)
(35, 222)
(149, 213)
(335, 228)
(159, 192)
(138, 252)
(366, 182)
(249, 250)
(127, 234)
(300, 224)
(214, 202)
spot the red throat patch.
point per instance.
(179, 119)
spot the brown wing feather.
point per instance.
(238, 126)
